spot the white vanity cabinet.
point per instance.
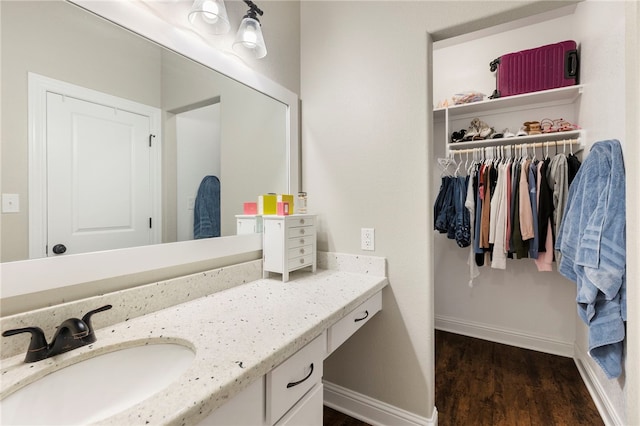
(339, 332)
(248, 224)
(289, 382)
(244, 409)
(289, 243)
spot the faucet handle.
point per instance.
(91, 337)
(37, 347)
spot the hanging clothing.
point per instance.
(470, 205)
(557, 177)
(443, 207)
(573, 165)
(592, 241)
(544, 261)
(206, 213)
(533, 197)
(499, 220)
(545, 208)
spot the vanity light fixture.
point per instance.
(209, 16)
(249, 40)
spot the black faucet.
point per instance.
(71, 334)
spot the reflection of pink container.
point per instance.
(283, 208)
(250, 208)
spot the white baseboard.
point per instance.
(503, 335)
(372, 411)
(604, 405)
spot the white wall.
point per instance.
(507, 305)
(601, 30)
(520, 305)
(365, 129)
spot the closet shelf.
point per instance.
(560, 96)
(519, 140)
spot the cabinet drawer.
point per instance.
(300, 262)
(301, 231)
(300, 251)
(244, 409)
(289, 381)
(294, 221)
(308, 411)
(343, 329)
(300, 241)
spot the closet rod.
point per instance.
(523, 145)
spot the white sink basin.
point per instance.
(98, 387)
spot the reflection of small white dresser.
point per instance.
(248, 224)
(288, 243)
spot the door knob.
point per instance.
(59, 249)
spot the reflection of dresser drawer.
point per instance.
(248, 224)
(289, 243)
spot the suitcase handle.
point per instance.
(571, 64)
(493, 65)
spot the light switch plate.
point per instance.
(10, 203)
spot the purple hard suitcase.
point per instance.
(545, 67)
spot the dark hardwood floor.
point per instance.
(485, 383)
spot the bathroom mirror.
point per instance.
(250, 129)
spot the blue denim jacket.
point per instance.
(592, 241)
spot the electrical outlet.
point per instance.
(368, 239)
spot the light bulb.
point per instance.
(249, 37)
(210, 12)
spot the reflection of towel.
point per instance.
(206, 220)
(593, 243)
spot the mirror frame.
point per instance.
(35, 275)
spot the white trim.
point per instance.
(372, 411)
(30, 276)
(14, 275)
(506, 336)
(605, 406)
(39, 86)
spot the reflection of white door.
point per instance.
(98, 174)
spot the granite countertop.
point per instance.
(238, 335)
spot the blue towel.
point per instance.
(206, 214)
(592, 241)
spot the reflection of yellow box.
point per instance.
(267, 204)
(286, 198)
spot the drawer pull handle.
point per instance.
(366, 315)
(301, 261)
(302, 232)
(301, 221)
(301, 251)
(292, 384)
(301, 240)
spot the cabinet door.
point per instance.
(307, 412)
(244, 409)
(290, 381)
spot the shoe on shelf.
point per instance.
(532, 127)
(564, 126)
(548, 126)
(458, 136)
(522, 131)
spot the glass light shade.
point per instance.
(249, 41)
(209, 16)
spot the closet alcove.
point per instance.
(521, 306)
